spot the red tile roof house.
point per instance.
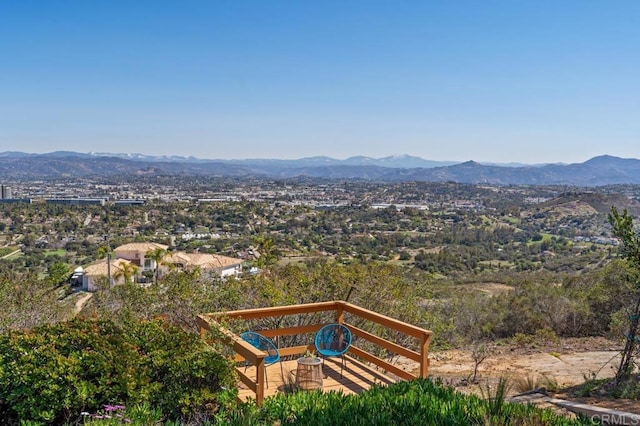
(209, 264)
(99, 269)
(136, 254)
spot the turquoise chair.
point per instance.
(333, 340)
(260, 342)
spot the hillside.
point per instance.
(596, 202)
(598, 171)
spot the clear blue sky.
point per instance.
(523, 81)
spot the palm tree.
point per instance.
(157, 255)
(105, 252)
(127, 271)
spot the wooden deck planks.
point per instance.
(356, 377)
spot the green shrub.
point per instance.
(55, 372)
(420, 402)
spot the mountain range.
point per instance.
(601, 170)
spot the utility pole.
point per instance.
(108, 260)
(109, 269)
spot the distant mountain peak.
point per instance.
(318, 158)
(600, 170)
(609, 159)
(14, 154)
(144, 157)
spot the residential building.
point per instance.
(101, 269)
(137, 253)
(209, 264)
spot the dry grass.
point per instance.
(526, 383)
(532, 381)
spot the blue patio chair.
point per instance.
(333, 340)
(262, 343)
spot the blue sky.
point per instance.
(494, 81)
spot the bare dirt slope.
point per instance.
(559, 367)
(563, 369)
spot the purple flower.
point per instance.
(109, 407)
(117, 410)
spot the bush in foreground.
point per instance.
(53, 373)
(420, 402)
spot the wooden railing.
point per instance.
(256, 357)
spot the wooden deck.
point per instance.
(356, 377)
(304, 321)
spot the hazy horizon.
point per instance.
(392, 156)
(502, 82)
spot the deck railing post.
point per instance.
(260, 380)
(203, 326)
(424, 354)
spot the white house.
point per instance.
(136, 253)
(209, 264)
(99, 269)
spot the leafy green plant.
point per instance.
(521, 339)
(55, 372)
(623, 228)
(547, 335)
(495, 396)
(418, 402)
(628, 389)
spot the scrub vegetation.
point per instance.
(475, 265)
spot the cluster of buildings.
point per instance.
(598, 240)
(6, 196)
(138, 262)
(5, 192)
(92, 201)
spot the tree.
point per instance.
(27, 301)
(157, 255)
(127, 271)
(623, 229)
(103, 251)
(59, 273)
(266, 248)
